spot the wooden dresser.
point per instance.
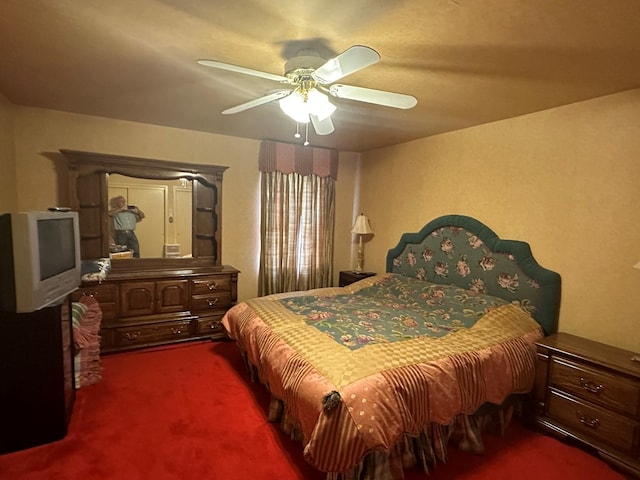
(590, 392)
(153, 307)
(152, 301)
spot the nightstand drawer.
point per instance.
(590, 391)
(593, 421)
(612, 392)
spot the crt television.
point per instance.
(40, 256)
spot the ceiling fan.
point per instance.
(310, 81)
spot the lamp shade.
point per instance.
(361, 226)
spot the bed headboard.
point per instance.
(459, 250)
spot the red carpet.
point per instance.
(190, 412)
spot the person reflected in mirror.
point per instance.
(125, 217)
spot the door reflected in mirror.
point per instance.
(166, 227)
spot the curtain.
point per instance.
(297, 217)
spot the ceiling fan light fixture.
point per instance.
(319, 105)
(295, 107)
(298, 108)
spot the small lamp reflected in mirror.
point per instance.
(360, 228)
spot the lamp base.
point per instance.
(360, 264)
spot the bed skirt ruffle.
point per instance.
(422, 451)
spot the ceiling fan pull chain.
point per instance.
(297, 135)
(306, 135)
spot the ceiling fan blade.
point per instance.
(246, 71)
(351, 60)
(322, 127)
(369, 95)
(258, 101)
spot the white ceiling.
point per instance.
(467, 61)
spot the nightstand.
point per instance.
(590, 392)
(347, 277)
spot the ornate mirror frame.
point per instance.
(88, 194)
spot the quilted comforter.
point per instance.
(360, 367)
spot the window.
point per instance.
(297, 217)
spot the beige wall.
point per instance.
(7, 163)
(40, 133)
(348, 172)
(565, 180)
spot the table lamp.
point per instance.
(361, 227)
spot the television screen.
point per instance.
(56, 245)
(40, 259)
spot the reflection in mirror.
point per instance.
(165, 230)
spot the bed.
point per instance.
(384, 374)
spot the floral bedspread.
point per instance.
(393, 309)
(347, 401)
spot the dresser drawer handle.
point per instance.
(212, 286)
(132, 336)
(176, 331)
(587, 420)
(590, 386)
(212, 301)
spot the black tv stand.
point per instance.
(36, 376)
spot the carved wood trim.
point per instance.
(93, 168)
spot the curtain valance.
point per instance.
(289, 158)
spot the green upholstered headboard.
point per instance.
(459, 250)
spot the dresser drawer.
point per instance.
(612, 392)
(107, 296)
(102, 291)
(152, 333)
(210, 325)
(593, 421)
(214, 283)
(211, 302)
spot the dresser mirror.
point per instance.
(181, 204)
(167, 205)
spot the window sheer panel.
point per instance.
(281, 200)
(316, 233)
(297, 224)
